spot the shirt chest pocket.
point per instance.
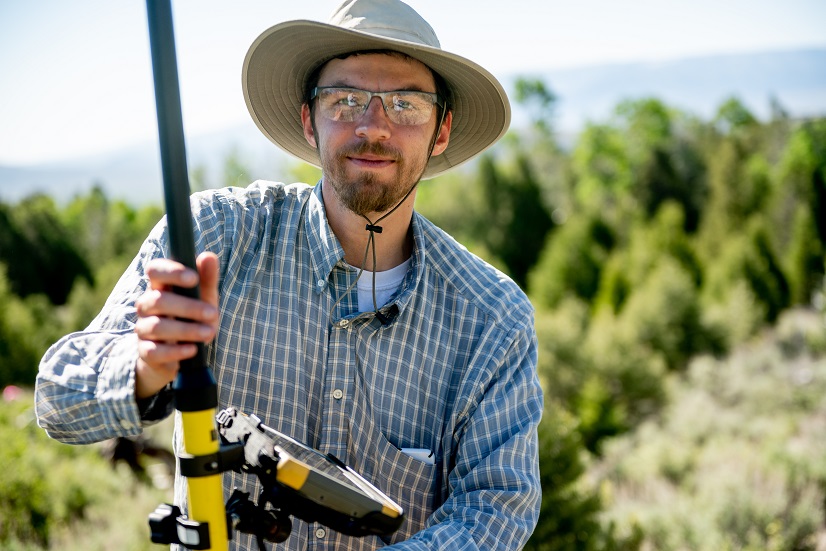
(411, 482)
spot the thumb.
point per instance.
(208, 272)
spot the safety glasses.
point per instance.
(404, 107)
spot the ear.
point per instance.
(307, 124)
(444, 135)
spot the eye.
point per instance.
(344, 99)
(401, 104)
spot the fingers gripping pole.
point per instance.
(196, 393)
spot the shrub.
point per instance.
(563, 366)
(569, 516)
(649, 244)
(43, 486)
(57, 496)
(37, 250)
(19, 328)
(736, 460)
(624, 386)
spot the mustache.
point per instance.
(371, 148)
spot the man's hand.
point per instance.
(158, 330)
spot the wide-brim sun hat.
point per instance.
(282, 58)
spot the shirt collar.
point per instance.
(417, 266)
(325, 250)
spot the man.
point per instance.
(336, 313)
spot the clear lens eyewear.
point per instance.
(405, 107)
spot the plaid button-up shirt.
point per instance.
(452, 372)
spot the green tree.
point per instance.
(516, 221)
(103, 230)
(535, 95)
(455, 202)
(58, 267)
(802, 185)
(38, 251)
(766, 275)
(642, 158)
(650, 243)
(663, 314)
(571, 262)
(749, 259)
(664, 159)
(303, 172)
(568, 516)
(732, 116)
(18, 354)
(738, 175)
(804, 258)
(602, 171)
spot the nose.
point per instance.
(374, 124)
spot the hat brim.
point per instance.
(282, 58)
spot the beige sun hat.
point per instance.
(282, 58)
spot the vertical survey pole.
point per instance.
(195, 390)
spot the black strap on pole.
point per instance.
(195, 390)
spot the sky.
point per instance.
(76, 77)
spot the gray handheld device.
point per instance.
(307, 483)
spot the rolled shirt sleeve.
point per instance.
(85, 387)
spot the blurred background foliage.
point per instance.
(677, 270)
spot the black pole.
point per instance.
(195, 390)
(171, 133)
(173, 154)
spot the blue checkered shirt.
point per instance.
(454, 370)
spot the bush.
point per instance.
(44, 486)
(57, 496)
(736, 460)
(21, 329)
(624, 387)
(658, 329)
(563, 365)
(47, 256)
(569, 516)
(749, 258)
(650, 243)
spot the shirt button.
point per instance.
(126, 424)
(338, 394)
(320, 533)
(343, 323)
(320, 283)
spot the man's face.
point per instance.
(371, 163)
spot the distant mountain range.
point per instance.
(796, 80)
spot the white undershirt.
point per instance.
(387, 283)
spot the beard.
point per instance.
(364, 192)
